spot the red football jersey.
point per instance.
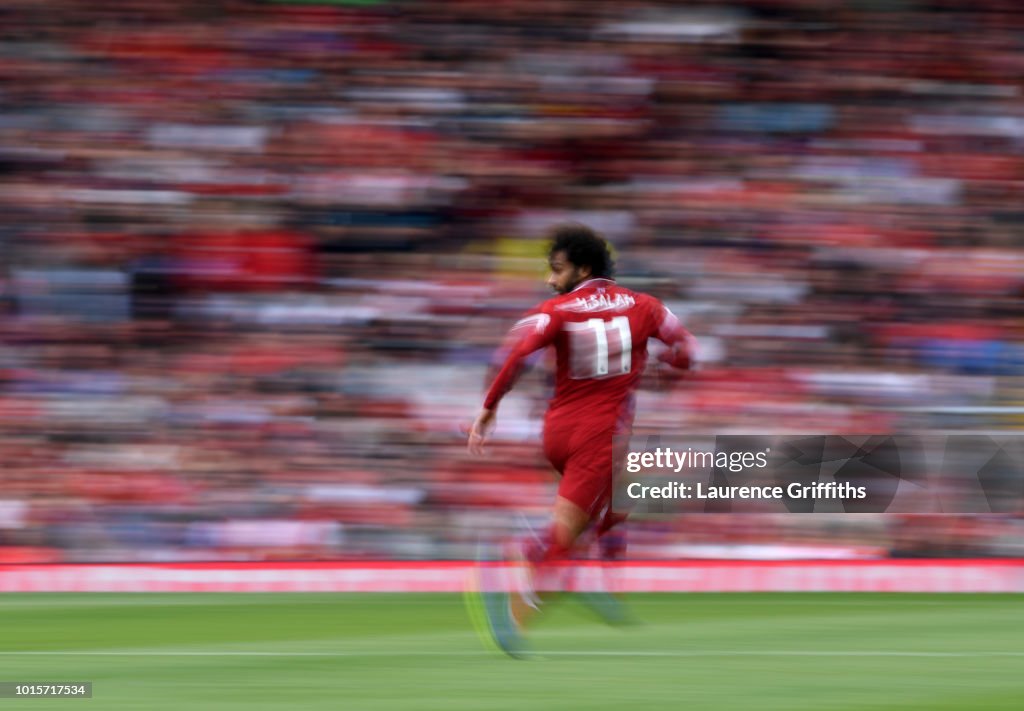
(600, 332)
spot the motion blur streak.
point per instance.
(255, 256)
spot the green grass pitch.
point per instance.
(381, 652)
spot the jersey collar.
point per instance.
(588, 282)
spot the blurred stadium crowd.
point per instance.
(257, 255)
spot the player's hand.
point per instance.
(481, 430)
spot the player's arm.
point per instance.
(530, 334)
(682, 346)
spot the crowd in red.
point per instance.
(256, 255)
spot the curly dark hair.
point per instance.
(583, 248)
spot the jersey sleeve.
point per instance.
(529, 334)
(682, 346)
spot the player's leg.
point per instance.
(609, 532)
(568, 521)
(497, 608)
(611, 535)
(583, 492)
(610, 540)
(488, 603)
(583, 457)
(500, 601)
(536, 553)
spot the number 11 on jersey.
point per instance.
(600, 348)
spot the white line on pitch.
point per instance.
(783, 653)
(543, 653)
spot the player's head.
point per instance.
(577, 253)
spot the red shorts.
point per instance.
(583, 455)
